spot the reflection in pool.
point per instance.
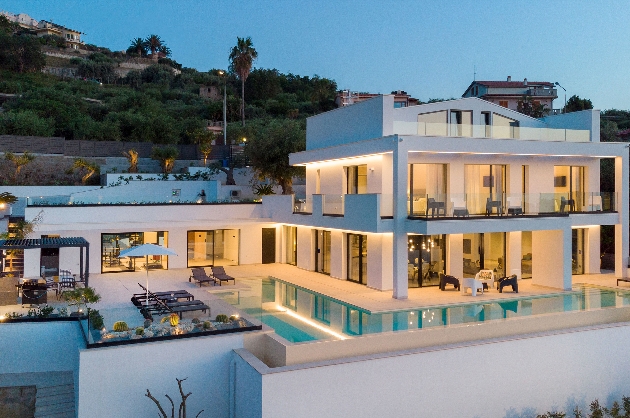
(301, 315)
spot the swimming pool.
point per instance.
(301, 315)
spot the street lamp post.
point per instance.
(564, 110)
(221, 72)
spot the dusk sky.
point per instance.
(427, 48)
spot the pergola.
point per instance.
(30, 244)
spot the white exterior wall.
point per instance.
(423, 382)
(337, 254)
(90, 222)
(305, 248)
(116, 378)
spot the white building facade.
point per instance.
(396, 197)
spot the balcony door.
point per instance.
(484, 183)
(356, 176)
(426, 181)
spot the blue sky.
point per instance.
(428, 48)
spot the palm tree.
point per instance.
(242, 57)
(137, 46)
(132, 157)
(154, 43)
(19, 161)
(89, 167)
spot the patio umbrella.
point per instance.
(146, 250)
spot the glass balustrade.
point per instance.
(332, 204)
(464, 205)
(303, 205)
(490, 131)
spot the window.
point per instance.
(426, 181)
(290, 234)
(398, 105)
(321, 309)
(503, 103)
(213, 248)
(461, 123)
(113, 244)
(433, 124)
(356, 177)
(322, 251)
(357, 258)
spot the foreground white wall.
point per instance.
(524, 375)
(114, 380)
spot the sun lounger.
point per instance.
(200, 276)
(169, 295)
(218, 272)
(155, 305)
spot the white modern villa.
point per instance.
(347, 283)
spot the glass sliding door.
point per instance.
(485, 187)
(357, 258)
(356, 176)
(526, 254)
(568, 182)
(322, 252)
(213, 248)
(426, 259)
(113, 244)
(290, 236)
(427, 189)
(484, 252)
(577, 251)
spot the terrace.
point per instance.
(245, 299)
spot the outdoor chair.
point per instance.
(444, 280)
(486, 277)
(459, 208)
(514, 206)
(218, 272)
(566, 202)
(473, 284)
(493, 204)
(595, 203)
(200, 276)
(435, 206)
(508, 281)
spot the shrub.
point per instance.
(120, 326)
(95, 319)
(139, 331)
(222, 318)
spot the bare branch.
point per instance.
(148, 395)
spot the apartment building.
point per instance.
(508, 93)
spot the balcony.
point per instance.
(464, 206)
(543, 92)
(491, 131)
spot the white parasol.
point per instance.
(146, 250)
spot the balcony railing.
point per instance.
(490, 131)
(503, 204)
(333, 204)
(543, 92)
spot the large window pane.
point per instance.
(113, 244)
(213, 248)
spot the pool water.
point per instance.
(301, 315)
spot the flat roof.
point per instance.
(25, 244)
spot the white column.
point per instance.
(592, 250)
(551, 258)
(513, 253)
(621, 228)
(399, 246)
(455, 255)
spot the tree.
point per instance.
(575, 104)
(138, 47)
(167, 156)
(269, 150)
(154, 43)
(206, 149)
(89, 167)
(19, 161)
(132, 158)
(242, 57)
(530, 107)
(21, 53)
(7, 198)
